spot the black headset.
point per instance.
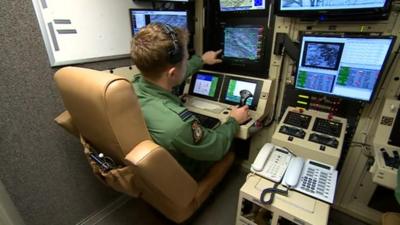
(175, 54)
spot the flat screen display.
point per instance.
(243, 42)
(347, 67)
(206, 85)
(140, 18)
(233, 86)
(291, 5)
(334, 9)
(241, 5)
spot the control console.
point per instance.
(311, 134)
(213, 94)
(386, 145)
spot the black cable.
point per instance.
(289, 151)
(274, 190)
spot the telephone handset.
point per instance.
(312, 178)
(271, 162)
(293, 172)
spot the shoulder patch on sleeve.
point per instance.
(197, 131)
(185, 115)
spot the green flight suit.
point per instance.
(173, 127)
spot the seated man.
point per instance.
(160, 53)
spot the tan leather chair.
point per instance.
(391, 218)
(103, 109)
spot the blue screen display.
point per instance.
(342, 66)
(141, 18)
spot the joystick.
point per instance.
(244, 95)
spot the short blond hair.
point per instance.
(150, 49)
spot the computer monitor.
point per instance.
(142, 17)
(244, 49)
(342, 66)
(243, 42)
(245, 5)
(336, 8)
(206, 85)
(232, 87)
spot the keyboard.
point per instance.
(328, 127)
(297, 120)
(206, 121)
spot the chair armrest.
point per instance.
(162, 173)
(65, 121)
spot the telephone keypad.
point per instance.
(316, 181)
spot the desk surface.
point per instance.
(297, 205)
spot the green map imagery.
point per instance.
(236, 3)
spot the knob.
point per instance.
(392, 108)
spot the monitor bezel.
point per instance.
(337, 14)
(383, 68)
(157, 10)
(256, 95)
(218, 88)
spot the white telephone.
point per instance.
(312, 178)
(271, 162)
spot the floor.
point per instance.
(220, 208)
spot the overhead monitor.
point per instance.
(338, 8)
(232, 87)
(344, 66)
(206, 85)
(142, 17)
(241, 5)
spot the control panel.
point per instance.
(297, 119)
(386, 145)
(311, 134)
(213, 94)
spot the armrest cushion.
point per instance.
(65, 121)
(162, 173)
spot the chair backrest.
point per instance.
(104, 108)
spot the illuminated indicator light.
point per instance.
(302, 103)
(304, 96)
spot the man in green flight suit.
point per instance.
(160, 53)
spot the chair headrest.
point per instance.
(104, 108)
